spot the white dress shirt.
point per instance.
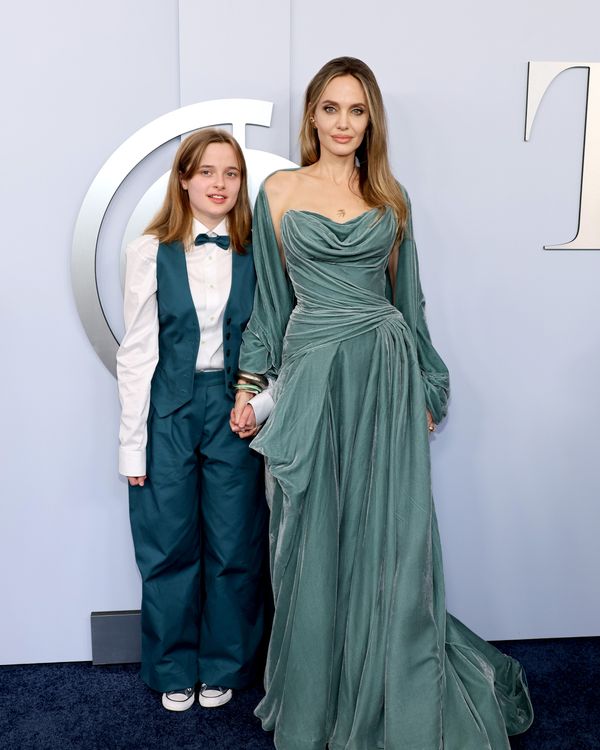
(209, 274)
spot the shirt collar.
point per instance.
(199, 228)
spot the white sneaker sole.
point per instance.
(177, 705)
(219, 700)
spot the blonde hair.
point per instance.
(377, 184)
(174, 219)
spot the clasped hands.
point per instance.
(242, 419)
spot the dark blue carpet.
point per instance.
(79, 706)
(564, 681)
(75, 706)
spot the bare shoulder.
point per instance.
(280, 184)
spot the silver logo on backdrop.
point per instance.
(541, 75)
(88, 296)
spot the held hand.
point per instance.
(241, 400)
(137, 480)
(247, 422)
(430, 422)
(246, 426)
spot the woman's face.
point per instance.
(341, 116)
(214, 188)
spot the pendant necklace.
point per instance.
(341, 213)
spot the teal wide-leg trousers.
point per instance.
(199, 527)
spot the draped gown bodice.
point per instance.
(338, 274)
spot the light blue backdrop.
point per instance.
(515, 466)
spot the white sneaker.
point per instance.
(178, 700)
(211, 697)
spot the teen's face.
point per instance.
(341, 116)
(214, 188)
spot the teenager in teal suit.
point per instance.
(197, 506)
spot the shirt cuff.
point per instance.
(263, 405)
(132, 463)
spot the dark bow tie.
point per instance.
(222, 241)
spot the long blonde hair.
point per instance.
(377, 185)
(174, 219)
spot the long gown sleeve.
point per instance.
(262, 342)
(409, 299)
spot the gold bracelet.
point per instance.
(254, 378)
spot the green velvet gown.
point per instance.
(363, 654)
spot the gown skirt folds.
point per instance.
(363, 654)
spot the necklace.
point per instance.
(341, 213)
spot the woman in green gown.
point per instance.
(363, 654)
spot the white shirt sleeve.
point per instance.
(138, 354)
(262, 404)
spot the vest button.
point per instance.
(228, 369)
(228, 321)
(228, 352)
(227, 336)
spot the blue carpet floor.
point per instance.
(82, 707)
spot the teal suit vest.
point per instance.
(179, 331)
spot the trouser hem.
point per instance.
(166, 684)
(233, 680)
